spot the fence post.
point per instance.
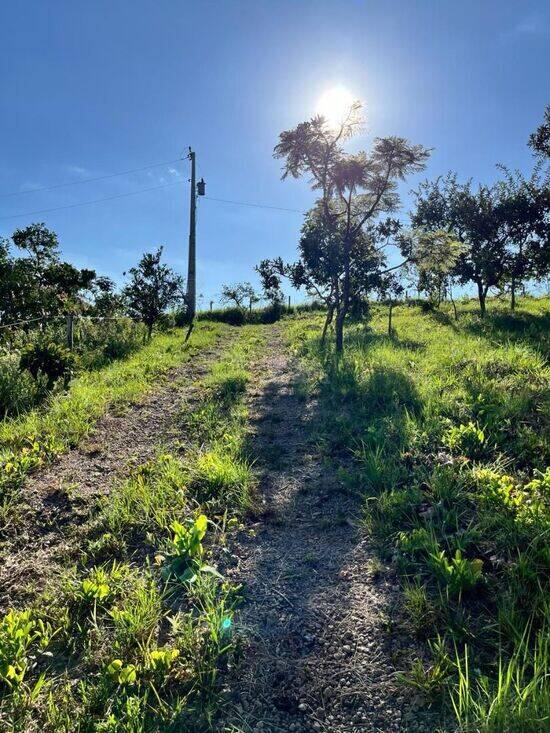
(289, 303)
(70, 337)
(211, 304)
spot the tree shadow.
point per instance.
(519, 327)
(305, 572)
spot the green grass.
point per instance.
(133, 638)
(446, 425)
(32, 439)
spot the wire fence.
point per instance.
(95, 340)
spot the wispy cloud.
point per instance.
(78, 170)
(528, 26)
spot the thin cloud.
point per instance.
(78, 170)
(529, 26)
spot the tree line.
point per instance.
(37, 285)
(492, 236)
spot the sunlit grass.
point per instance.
(127, 641)
(447, 425)
(61, 423)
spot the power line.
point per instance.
(87, 203)
(88, 180)
(256, 206)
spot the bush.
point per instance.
(99, 343)
(240, 316)
(18, 390)
(49, 359)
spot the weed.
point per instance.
(457, 573)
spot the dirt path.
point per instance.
(320, 654)
(57, 501)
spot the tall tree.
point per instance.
(539, 141)
(153, 288)
(355, 190)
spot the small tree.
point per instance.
(524, 208)
(241, 295)
(472, 216)
(271, 283)
(153, 288)
(39, 284)
(355, 189)
(390, 289)
(436, 254)
(107, 302)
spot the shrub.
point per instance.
(49, 359)
(19, 392)
(100, 343)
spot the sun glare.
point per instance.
(334, 104)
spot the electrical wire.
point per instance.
(89, 180)
(256, 206)
(87, 203)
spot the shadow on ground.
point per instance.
(320, 610)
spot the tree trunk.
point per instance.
(481, 293)
(339, 329)
(513, 298)
(328, 321)
(149, 331)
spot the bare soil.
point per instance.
(322, 649)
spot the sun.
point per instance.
(334, 105)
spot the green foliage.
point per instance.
(516, 701)
(148, 499)
(20, 634)
(433, 678)
(467, 439)
(38, 285)
(457, 573)
(49, 359)
(19, 391)
(153, 288)
(40, 435)
(185, 548)
(221, 478)
(240, 316)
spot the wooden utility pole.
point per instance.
(192, 262)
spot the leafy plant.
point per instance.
(458, 573)
(431, 679)
(468, 439)
(186, 549)
(121, 673)
(19, 630)
(50, 359)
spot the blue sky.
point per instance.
(93, 88)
